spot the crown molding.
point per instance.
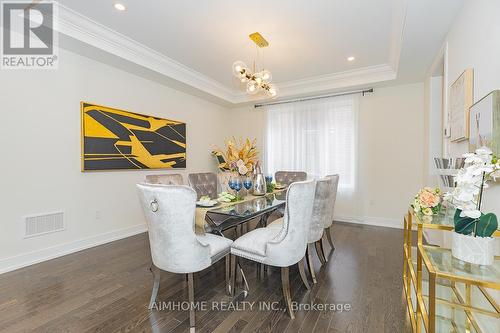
(82, 28)
(96, 35)
(329, 82)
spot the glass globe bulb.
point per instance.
(258, 78)
(239, 69)
(272, 91)
(252, 87)
(266, 75)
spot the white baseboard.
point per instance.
(30, 258)
(374, 221)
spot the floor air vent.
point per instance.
(43, 224)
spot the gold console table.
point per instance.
(449, 295)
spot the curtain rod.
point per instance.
(353, 92)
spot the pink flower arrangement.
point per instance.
(427, 201)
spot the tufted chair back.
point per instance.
(333, 197)
(170, 212)
(204, 184)
(289, 246)
(165, 179)
(288, 177)
(321, 209)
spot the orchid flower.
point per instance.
(479, 167)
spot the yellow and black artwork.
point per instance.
(115, 139)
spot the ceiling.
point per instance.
(195, 42)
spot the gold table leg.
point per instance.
(432, 303)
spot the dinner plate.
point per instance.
(210, 203)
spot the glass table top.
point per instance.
(444, 263)
(443, 220)
(247, 209)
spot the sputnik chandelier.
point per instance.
(256, 80)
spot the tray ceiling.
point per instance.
(196, 42)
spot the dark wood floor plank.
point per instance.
(107, 289)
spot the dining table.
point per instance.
(227, 215)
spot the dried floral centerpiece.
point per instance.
(239, 156)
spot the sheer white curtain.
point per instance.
(317, 136)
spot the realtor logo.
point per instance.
(29, 35)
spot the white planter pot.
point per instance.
(474, 250)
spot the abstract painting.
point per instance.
(114, 139)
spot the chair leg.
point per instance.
(156, 285)
(302, 272)
(310, 263)
(246, 288)
(328, 232)
(262, 271)
(191, 300)
(323, 249)
(233, 273)
(228, 275)
(285, 283)
(319, 252)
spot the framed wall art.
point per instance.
(114, 139)
(460, 100)
(485, 123)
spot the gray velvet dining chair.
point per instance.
(165, 179)
(333, 197)
(288, 177)
(320, 216)
(175, 248)
(281, 247)
(204, 183)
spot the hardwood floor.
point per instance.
(107, 289)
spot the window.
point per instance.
(316, 136)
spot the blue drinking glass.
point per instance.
(237, 187)
(248, 183)
(231, 183)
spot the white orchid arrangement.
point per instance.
(479, 168)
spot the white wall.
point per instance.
(391, 132)
(40, 169)
(474, 42)
(391, 127)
